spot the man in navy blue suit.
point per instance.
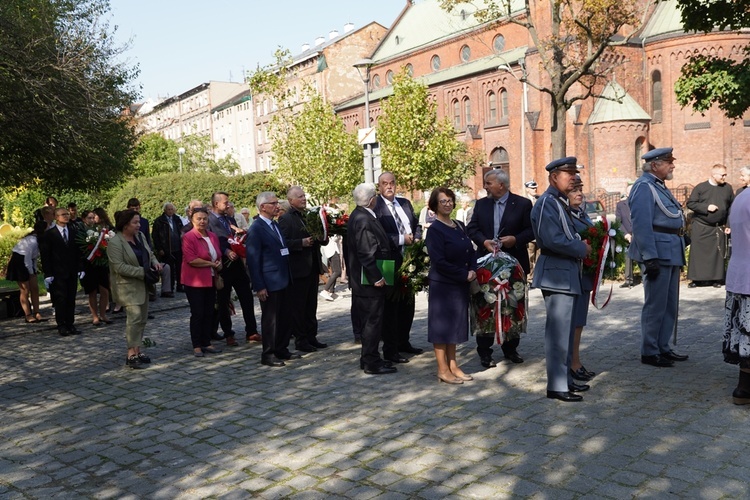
(396, 215)
(502, 219)
(268, 261)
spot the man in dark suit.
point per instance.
(233, 273)
(61, 260)
(502, 219)
(268, 262)
(304, 261)
(558, 275)
(396, 215)
(368, 243)
(622, 215)
(167, 238)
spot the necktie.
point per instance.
(397, 219)
(275, 227)
(171, 223)
(65, 234)
(498, 217)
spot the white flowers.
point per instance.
(612, 233)
(519, 288)
(504, 274)
(618, 249)
(412, 268)
(490, 297)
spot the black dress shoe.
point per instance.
(275, 362)
(488, 363)
(564, 396)
(288, 356)
(627, 284)
(717, 285)
(318, 345)
(578, 387)
(64, 332)
(692, 284)
(217, 336)
(656, 360)
(673, 356)
(305, 347)
(411, 350)
(385, 363)
(397, 359)
(379, 370)
(135, 362)
(740, 397)
(514, 357)
(75, 331)
(580, 374)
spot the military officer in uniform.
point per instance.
(659, 247)
(558, 274)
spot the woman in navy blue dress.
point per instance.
(452, 266)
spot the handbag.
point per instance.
(218, 282)
(151, 276)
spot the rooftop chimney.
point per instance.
(320, 40)
(348, 27)
(333, 34)
(305, 47)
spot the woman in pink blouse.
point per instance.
(201, 261)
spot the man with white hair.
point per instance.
(166, 233)
(745, 178)
(368, 244)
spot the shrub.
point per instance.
(179, 189)
(19, 204)
(7, 242)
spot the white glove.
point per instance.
(48, 281)
(81, 275)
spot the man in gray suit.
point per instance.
(558, 274)
(658, 245)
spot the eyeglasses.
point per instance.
(270, 203)
(446, 202)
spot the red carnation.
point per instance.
(483, 276)
(520, 311)
(485, 313)
(592, 231)
(507, 323)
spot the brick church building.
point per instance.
(473, 71)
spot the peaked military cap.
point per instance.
(658, 154)
(531, 184)
(568, 163)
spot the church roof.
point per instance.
(616, 105)
(665, 19)
(424, 23)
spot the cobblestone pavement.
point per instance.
(77, 423)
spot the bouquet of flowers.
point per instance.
(337, 221)
(608, 246)
(411, 277)
(498, 298)
(317, 224)
(93, 244)
(237, 244)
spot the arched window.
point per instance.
(467, 110)
(498, 159)
(498, 43)
(410, 70)
(491, 107)
(389, 77)
(376, 82)
(640, 149)
(656, 95)
(435, 62)
(503, 103)
(456, 113)
(465, 53)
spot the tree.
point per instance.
(310, 145)
(155, 155)
(708, 80)
(571, 36)
(314, 150)
(420, 150)
(62, 92)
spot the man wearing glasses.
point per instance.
(501, 221)
(659, 247)
(62, 263)
(710, 202)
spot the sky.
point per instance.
(181, 44)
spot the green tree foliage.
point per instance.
(420, 150)
(155, 155)
(179, 189)
(314, 150)
(571, 37)
(709, 80)
(310, 144)
(19, 204)
(62, 91)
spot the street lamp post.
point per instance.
(363, 68)
(524, 110)
(181, 152)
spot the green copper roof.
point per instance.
(665, 19)
(424, 23)
(608, 110)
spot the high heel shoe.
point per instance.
(464, 377)
(450, 380)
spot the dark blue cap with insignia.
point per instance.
(531, 184)
(659, 154)
(569, 163)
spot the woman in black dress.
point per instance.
(95, 281)
(452, 266)
(22, 268)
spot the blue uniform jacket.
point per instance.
(664, 211)
(558, 268)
